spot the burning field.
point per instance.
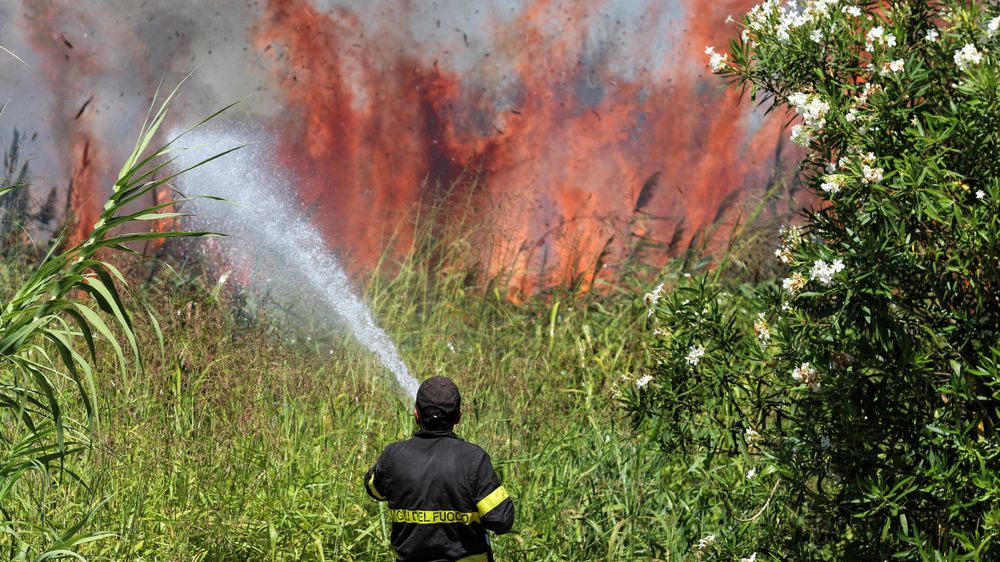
(572, 128)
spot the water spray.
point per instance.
(269, 233)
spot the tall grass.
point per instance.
(51, 331)
(246, 440)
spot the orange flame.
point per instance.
(64, 67)
(564, 138)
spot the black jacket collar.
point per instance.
(434, 433)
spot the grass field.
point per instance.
(247, 441)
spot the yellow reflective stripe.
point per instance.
(475, 558)
(371, 486)
(422, 517)
(487, 504)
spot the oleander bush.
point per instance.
(848, 408)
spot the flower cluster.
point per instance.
(892, 67)
(717, 62)
(794, 283)
(806, 374)
(772, 18)
(652, 298)
(800, 135)
(833, 183)
(643, 381)
(705, 543)
(694, 355)
(870, 173)
(762, 330)
(753, 437)
(813, 110)
(867, 90)
(811, 107)
(967, 56)
(878, 36)
(993, 26)
(824, 272)
(790, 237)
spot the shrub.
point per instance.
(861, 389)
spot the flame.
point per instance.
(82, 188)
(564, 139)
(64, 68)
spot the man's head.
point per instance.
(439, 404)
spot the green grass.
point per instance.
(248, 440)
(238, 444)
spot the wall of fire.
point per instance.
(572, 128)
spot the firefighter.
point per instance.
(442, 491)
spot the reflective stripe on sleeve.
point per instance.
(487, 504)
(371, 486)
(421, 517)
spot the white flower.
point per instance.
(980, 194)
(652, 298)
(752, 436)
(794, 283)
(223, 278)
(751, 558)
(451, 347)
(932, 35)
(824, 272)
(805, 374)
(832, 183)
(874, 34)
(751, 473)
(694, 354)
(763, 331)
(967, 55)
(852, 10)
(811, 107)
(816, 35)
(643, 381)
(825, 442)
(800, 135)
(896, 65)
(871, 174)
(705, 543)
(716, 61)
(798, 98)
(877, 35)
(992, 26)
(852, 115)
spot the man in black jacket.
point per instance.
(442, 491)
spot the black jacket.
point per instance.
(443, 495)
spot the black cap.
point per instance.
(438, 401)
